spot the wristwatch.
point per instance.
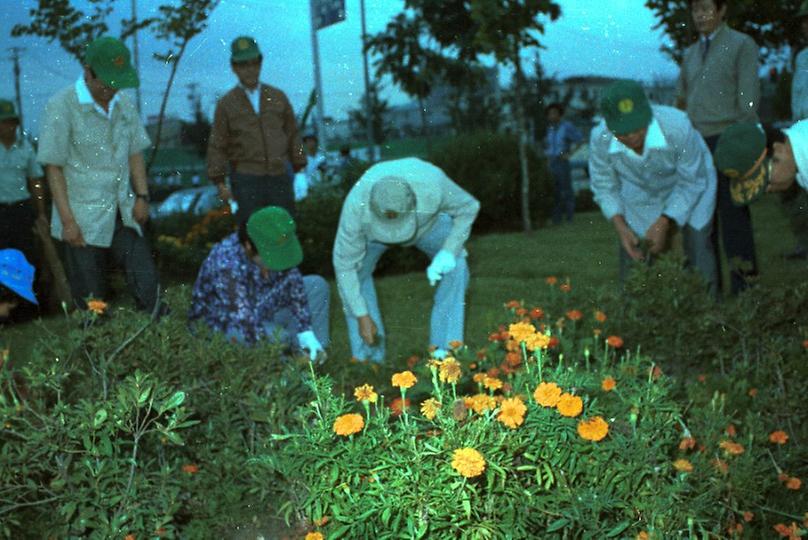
(144, 196)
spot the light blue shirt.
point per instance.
(674, 175)
(560, 138)
(17, 164)
(799, 87)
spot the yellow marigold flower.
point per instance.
(405, 379)
(512, 412)
(429, 408)
(468, 462)
(482, 402)
(314, 536)
(97, 306)
(594, 429)
(731, 447)
(569, 405)
(348, 424)
(608, 384)
(479, 377)
(537, 341)
(492, 383)
(547, 394)
(365, 393)
(450, 370)
(521, 331)
(683, 465)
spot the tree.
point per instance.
(771, 24)
(378, 111)
(197, 132)
(447, 36)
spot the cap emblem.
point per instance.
(625, 106)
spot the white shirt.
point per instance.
(85, 98)
(798, 137)
(254, 97)
(654, 139)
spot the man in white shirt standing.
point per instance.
(650, 172)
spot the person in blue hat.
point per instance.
(16, 281)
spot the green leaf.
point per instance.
(558, 524)
(173, 402)
(144, 395)
(175, 438)
(100, 416)
(618, 529)
(467, 508)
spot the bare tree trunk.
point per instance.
(174, 64)
(521, 133)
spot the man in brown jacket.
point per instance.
(254, 138)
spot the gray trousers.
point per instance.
(699, 252)
(253, 192)
(86, 266)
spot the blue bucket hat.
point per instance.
(17, 274)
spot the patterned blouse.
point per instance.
(232, 296)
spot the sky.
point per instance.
(592, 37)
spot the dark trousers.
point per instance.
(16, 232)
(85, 268)
(795, 206)
(564, 205)
(735, 225)
(253, 192)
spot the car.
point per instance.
(197, 201)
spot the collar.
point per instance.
(85, 98)
(248, 91)
(654, 138)
(711, 37)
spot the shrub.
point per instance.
(487, 166)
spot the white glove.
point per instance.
(443, 262)
(439, 354)
(308, 340)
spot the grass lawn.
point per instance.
(506, 266)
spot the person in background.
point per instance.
(719, 86)
(561, 141)
(16, 281)
(92, 144)
(650, 173)
(254, 137)
(406, 202)
(250, 289)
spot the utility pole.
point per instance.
(318, 82)
(136, 57)
(368, 99)
(15, 58)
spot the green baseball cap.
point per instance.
(7, 110)
(272, 230)
(109, 58)
(625, 107)
(803, 12)
(740, 156)
(244, 49)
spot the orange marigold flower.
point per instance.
(752, 392)
(450, 370)
(789, 531)
(656, 372)
(600, 316)
(594, 429)
(805, 343)
(537, 341)
(512, 412)
(493, 372)
(537, 313)
(468, 462)
(404, 379)
(701, 378)
(778, 437)
(565, 287)
(731, 431)
(190, 468)
(97, 306)
(553, 342)
(365, 393)
(683, 465)
(492, 383)
(513, 359)
(748, 516)
(551, 280)
(614, 342)
(130, 537)
(397, 406)
(732, 448)
(322, 521)
(429, 408)
(570, 405)
(687, 443)
(314, 536)
(575, 315)
(521, 312)
(455, 344)
(348, 424)
(513, 304)
(479, 377)
(794, 483)
(521, 331)
(482, 402)
(721, 465)
(608, 384)
(547, 394)
(642, 535)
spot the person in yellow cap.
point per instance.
(254, 138)
(92, 144)
(650, 173)
(250, 289)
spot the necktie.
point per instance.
(706, 49)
